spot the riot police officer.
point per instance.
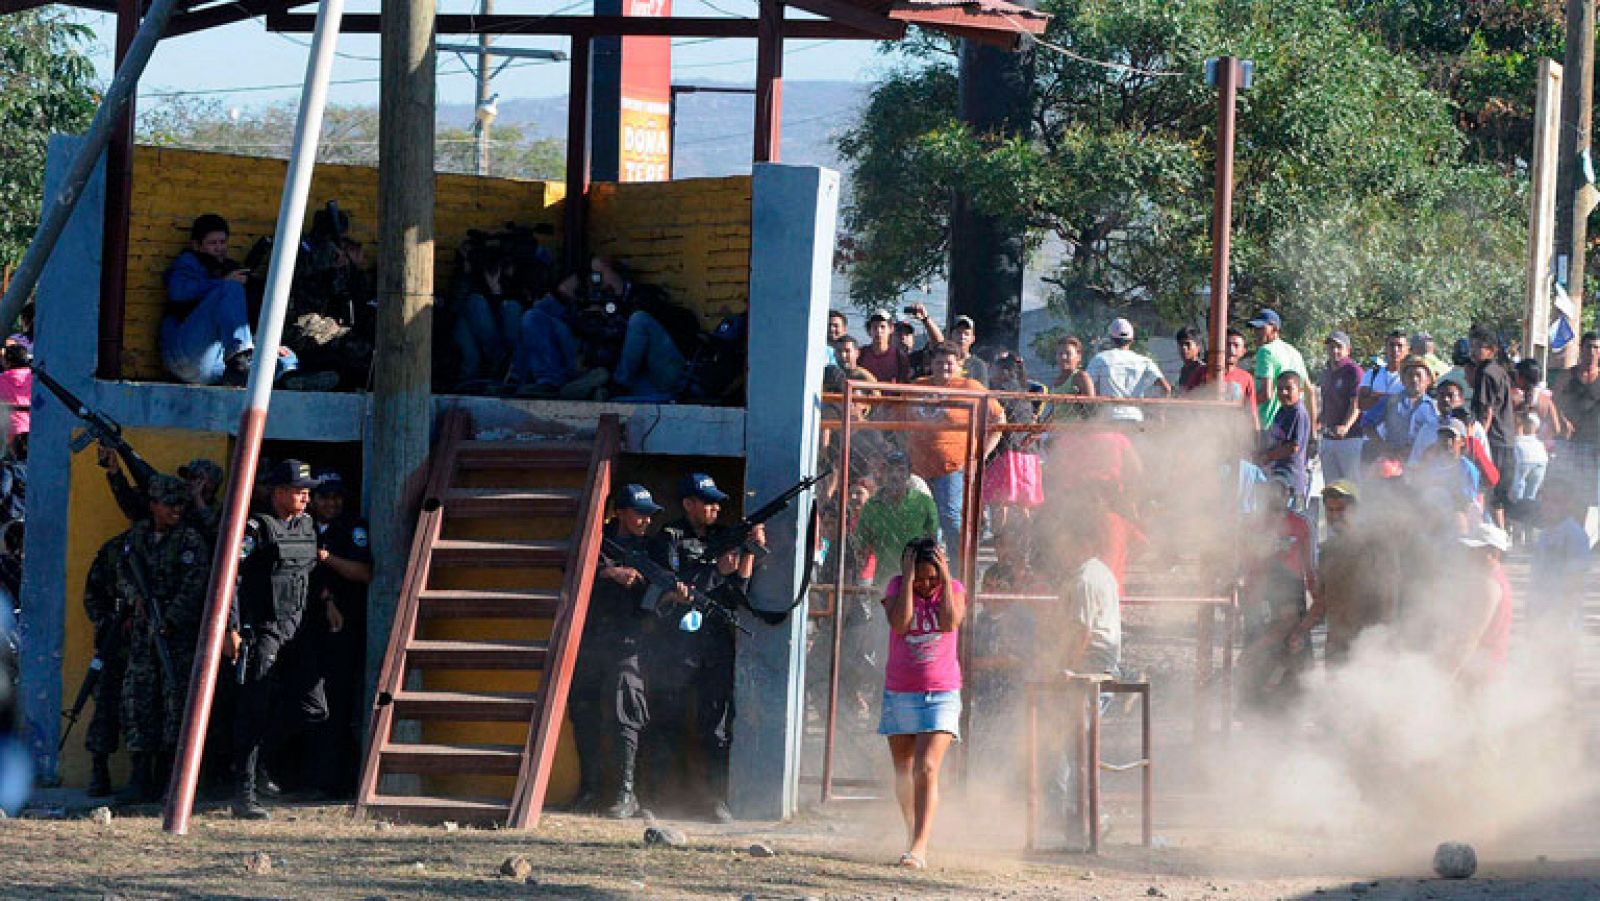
(276, 558)
(698, 662)
(608, 704)
(335, 629)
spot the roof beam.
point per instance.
(226, 14)
(847, 13)
(598, 26)
(17, 6)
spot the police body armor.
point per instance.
(276, 574)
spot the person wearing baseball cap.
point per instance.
(1274, 357)
(963, 334)
(277, 556)
(690, 669)
(159, 559)
(609, 705)
(1339, 412)
(1120, 371)
(883, 356)
(335, 624)
(1446, 479)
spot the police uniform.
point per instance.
(276, 559)
(608, 705)
(104, 606)
(698, 664)
(173, 567)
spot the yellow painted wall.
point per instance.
(691, 237)
(172, 187)
(94, 518)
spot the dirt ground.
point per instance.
(844, 852)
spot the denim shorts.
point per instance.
(913, 712)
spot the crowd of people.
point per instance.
(296, 635)
(511, 323)
(1429, 472)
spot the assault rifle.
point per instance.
(153, 614)
(107, 641)
(664, 581)
(98, 428)
(738, 535)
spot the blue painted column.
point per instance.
(66, 330)
(794, 210)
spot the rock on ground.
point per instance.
(258, 862)
(1455, 860)
(665, 836)
(516, 866)
(761, 849)
(101, 816)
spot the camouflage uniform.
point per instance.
(176, 567)
(101, 602)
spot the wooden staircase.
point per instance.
(505, 546)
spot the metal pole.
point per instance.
(119, 197)
(575, 222)
(845, 417)
(60, 207)
(1222, 221)
(253, 419)
(480, 126)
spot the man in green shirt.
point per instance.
(1274, 356)
(896, 516)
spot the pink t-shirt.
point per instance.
(923, 659)
(16, 393)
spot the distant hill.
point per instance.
(715, 131)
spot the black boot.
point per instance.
(100, 776)
(141, 788)
(625, 806)
(245, 805)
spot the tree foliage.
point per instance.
(1352, 198)
(47, 86)
(349, 136)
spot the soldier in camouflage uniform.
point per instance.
(203, 479)
(173, 562)
(103, 606)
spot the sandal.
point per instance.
(913, 861)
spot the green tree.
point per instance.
(1350, 179)
(349, 136)
(47, 86)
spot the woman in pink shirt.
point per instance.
(922, 685)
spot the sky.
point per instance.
(243, 65)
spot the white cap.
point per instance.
(1487, 535)
(1121, 329)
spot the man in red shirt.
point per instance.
(883, 357)
(1239, 385)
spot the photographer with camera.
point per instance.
(922, 685)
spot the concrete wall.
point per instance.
(172, 187)
(691, 237)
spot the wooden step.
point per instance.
(471, 706)
(462, 654)
(520, 455)
(487, 603)
(426, 809)
(489, 502)
(499, 553)
(501, 760)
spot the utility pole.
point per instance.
(1574, 193)
(480, 122)
(988, 255)
(402, 415)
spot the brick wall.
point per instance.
(171, 187)
(691, 237)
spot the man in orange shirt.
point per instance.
(939, 457)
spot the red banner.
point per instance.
(646, 115)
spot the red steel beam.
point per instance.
(575, 219)
(769, 83)
(119, 202)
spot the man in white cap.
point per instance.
(1120, 371)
